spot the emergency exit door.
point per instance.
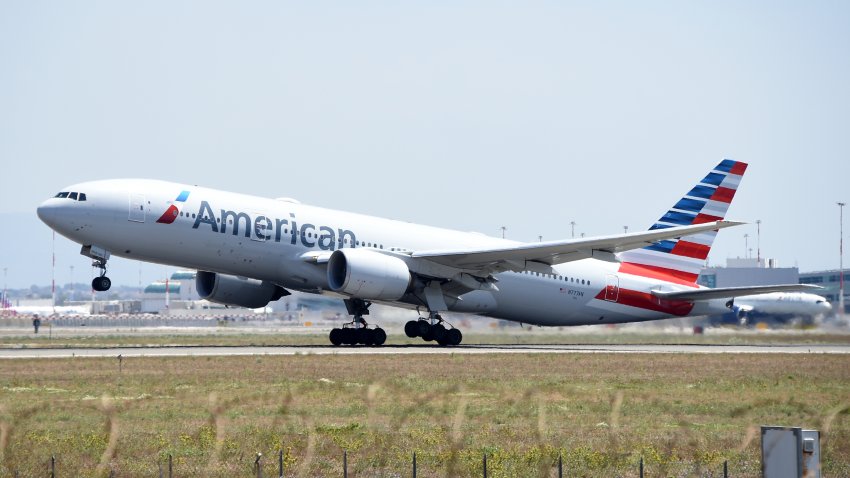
(137, 208)
(612, 288)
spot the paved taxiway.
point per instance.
(190, 351)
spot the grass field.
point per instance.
(684, 414)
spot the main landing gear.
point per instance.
(357, 332)
(433, 330)
(101, 283)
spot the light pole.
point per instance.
(625, 229)
(746, 245)
(573, 229)
(503, 231)
(4, 288)
(758, 241)
(841, 257)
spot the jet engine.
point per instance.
(236, 291)
(365, 274)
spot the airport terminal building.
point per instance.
(747, 272)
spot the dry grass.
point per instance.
(684, 414)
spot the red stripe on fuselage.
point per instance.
(722, 194)
(647, 301)
(690, 249)
(660, 273)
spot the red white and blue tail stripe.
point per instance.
(680, 260)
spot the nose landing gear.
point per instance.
(101, 283)
(99, 257)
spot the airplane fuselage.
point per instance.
(279, 241)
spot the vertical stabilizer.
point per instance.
(680, 260)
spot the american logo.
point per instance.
(172, 212)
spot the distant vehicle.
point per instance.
(780, 306)
(251, 250)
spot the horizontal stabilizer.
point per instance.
(730, 292)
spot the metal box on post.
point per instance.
(790, 452)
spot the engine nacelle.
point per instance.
(366, 274)
(236, 291)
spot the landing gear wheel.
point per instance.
(438, 333)
(422, 328)
(453, 337)
(367, 336)
(101, 284)
(336, 337)
(348, 337)
(411, 329)
(379, 337)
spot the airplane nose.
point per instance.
(48, 212)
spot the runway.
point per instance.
(199, 351)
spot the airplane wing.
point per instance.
(730, 292)
(523, 256)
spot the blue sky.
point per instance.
(468, 115)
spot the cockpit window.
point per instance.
(73, 196)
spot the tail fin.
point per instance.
(680, 260)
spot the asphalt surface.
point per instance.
(195, 351)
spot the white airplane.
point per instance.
(780, 304)
(251, 250)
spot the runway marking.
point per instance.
(195, 351)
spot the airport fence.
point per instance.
(277, 469)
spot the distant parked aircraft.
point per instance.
(781, 305)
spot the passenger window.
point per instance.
(82, 196)
(72, 196)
